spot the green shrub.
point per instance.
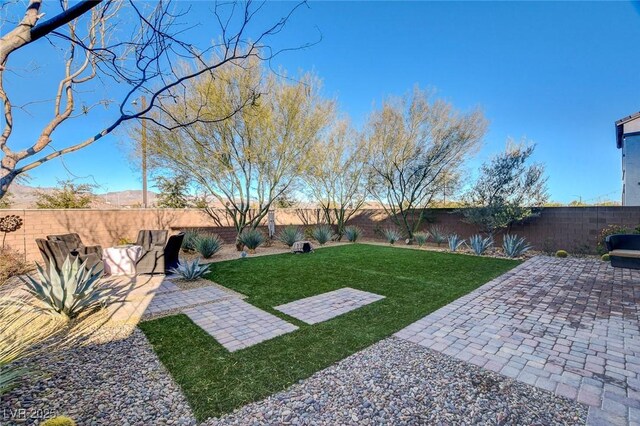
(420, 238)
(391, 235)
(72, 290)
(251, 238)
(605, 257)
(191, 271)
(59, 421)
(562, 253)
(322, 234)
(289, 235)
(514, 246)
(353, 233)
(208, 245)
(189, 240)
(438, 234)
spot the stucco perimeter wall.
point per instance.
(570, 228)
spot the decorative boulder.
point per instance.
(301, 247)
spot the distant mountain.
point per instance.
(24, 197)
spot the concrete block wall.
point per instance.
(571, 228)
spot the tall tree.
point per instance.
(417, 145)
(67, 195)
(338, 179)
(120, 44)
(507, 191)
(250, 159)
(174, 191)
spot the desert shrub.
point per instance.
(514, 246)
(479, 244)
(208, 245)
(562, 253)
(12, 264)
(59, 421)
(353, 233)
(605, 257)
(438, 234)
(191, 271)
(322, 234)
(391, 235)
(601, 246)
(189, 240)
(251, 238)
(420, 238)
(454, 242)
(289, 235)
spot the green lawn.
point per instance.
(414, 282)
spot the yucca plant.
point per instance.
(420, 238)
(352, 233)
(438, 234)
(208, 245)
(515, 246)
(391, 235)
(322, 234)
(251, 238)
(189, 240)
(72, 290)
(191, 271)
(289, 235)
(479, 245)
(455, 242)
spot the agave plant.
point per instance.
(189, 240)
(479, 245)
(208, 245)
(391, 235)
(191, 271)
(322, 234)
(352, 233)
(251, 238)
(515, 246)
(72, 290)
(289, 235)
(454, 242)
(438, 234)
(420, 238)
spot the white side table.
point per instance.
(121, 260)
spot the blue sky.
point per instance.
(558, 74)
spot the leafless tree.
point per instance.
(140, 46)
(417, 144)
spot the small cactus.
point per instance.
(562, 253)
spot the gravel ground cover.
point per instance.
(117, 383)
(398, 382)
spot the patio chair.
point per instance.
(172, 252)
(624, 250)
(152, 259)
(73, 243)
(58, 252)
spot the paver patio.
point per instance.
(169, 301)
(570, 326)
(236, 324)
(325, 306)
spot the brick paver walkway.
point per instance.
(570, 326)
(236, 324)
(325, 306)
(169, 301)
